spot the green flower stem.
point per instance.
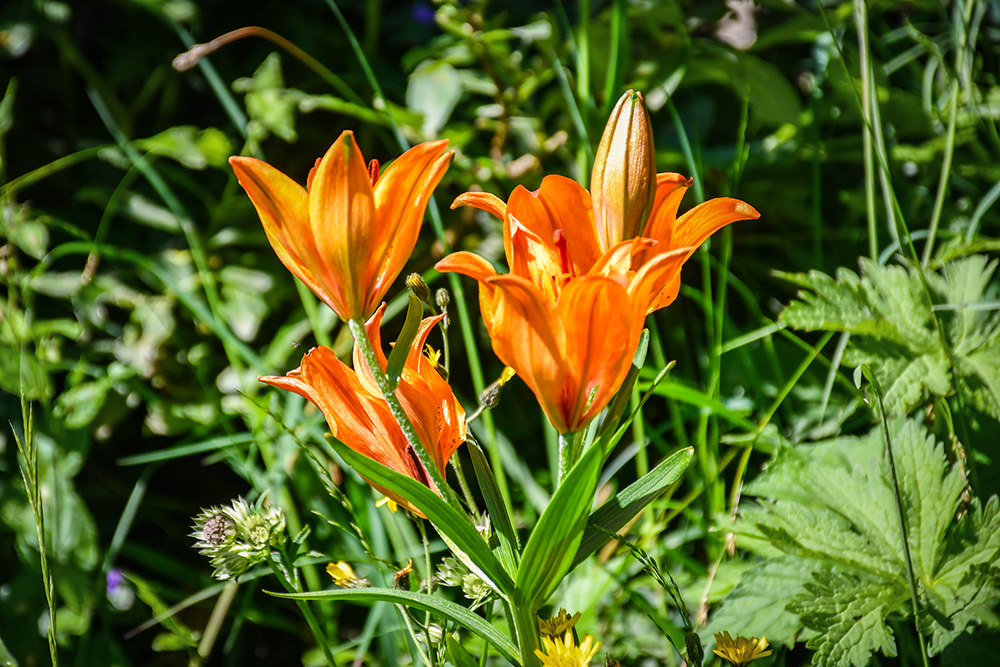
(527, 634)
(281, 572)
(456, 463)
(357, 328)
(900, 515)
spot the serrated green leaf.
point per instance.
(193, 147)
(79, 405)
(270, 106)
(830, 509)
(848, 611)
(422, 601)
(894, 330)
(454, 528)
(433, 91)
(756, 606)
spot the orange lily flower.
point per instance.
(358, 415)
(569, 314)
(348, 233)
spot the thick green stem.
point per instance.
(357, 328)
(527, 634)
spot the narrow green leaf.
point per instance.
(554, 541)
(458, 655)
(694, 397)
(187, 449)
(397, 358)
(422, 601)
(621, 509)
(454, 527)
(494, 503)
(608, 440)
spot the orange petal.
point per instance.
(692, 228)
(532, 258)
(474, 266)
(359, 420)
(283, 207)
(600, 343)
(342, 215)
(528, 338)
(670, 189)
(657, 281)
(618, 260)
(401, 196)
(484, 201)
(559, 204)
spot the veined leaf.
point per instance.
(895, 329)
(849, 611)
(453, 612)
(469, 545)
(621, 509)
(553, 543)
(497, 508)
(756, 606)
(830, 509)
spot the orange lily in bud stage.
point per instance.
(358, 415)
(569, 314)
(348, 233)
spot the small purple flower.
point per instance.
(423, 13)
(113, 580)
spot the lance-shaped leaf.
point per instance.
(553, 543)
(453, 612)
(397, 357)
(621, 509)
(468, 544)
(496, 506)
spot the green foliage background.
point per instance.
(141, 301)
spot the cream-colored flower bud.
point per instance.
(623, 182)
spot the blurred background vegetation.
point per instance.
(141, 299)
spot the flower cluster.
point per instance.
(358, 415)
(347, 235)
(587, 267)
(237, 537)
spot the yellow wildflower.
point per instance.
(343, 575)
(558, 624)
(740, 651)
(389, 502)
(566, 653)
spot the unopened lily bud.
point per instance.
(623, 181)
(416, 284)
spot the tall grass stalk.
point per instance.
(28, 463)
